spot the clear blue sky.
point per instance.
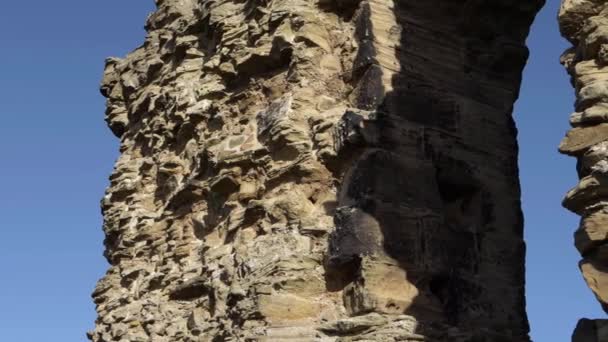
(57, 153)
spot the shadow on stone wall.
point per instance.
(430, 212)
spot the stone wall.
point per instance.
(585, 24)
(301, 170)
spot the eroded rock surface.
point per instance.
(585, 24)
(299, 170)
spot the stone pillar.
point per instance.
(303, 170)
(585, 24)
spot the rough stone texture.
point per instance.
(591, 331)
(585, 24)
(299, 170)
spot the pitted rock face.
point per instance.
(585, 24)
(300, 170)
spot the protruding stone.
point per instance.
(572, 15)
(589, 191)
(383, 287)
(349, 326)
(596, 114)
(596, 275)
(592, 232)
(198, 320)
(580, 139)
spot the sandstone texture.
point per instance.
(585, 24)
(320, 170)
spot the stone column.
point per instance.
(585, 24)
(302, 170)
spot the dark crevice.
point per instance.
(344, 8)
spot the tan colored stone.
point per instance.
(595, 274)
(279, 308)
(592, 115)
(315, 34)
(579, 139)
(589, 191)
(388, 286)
(592, 232)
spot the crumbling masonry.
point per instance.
(585, 24)
(335, 170)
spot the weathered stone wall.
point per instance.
(585, 24)
(301, 170)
